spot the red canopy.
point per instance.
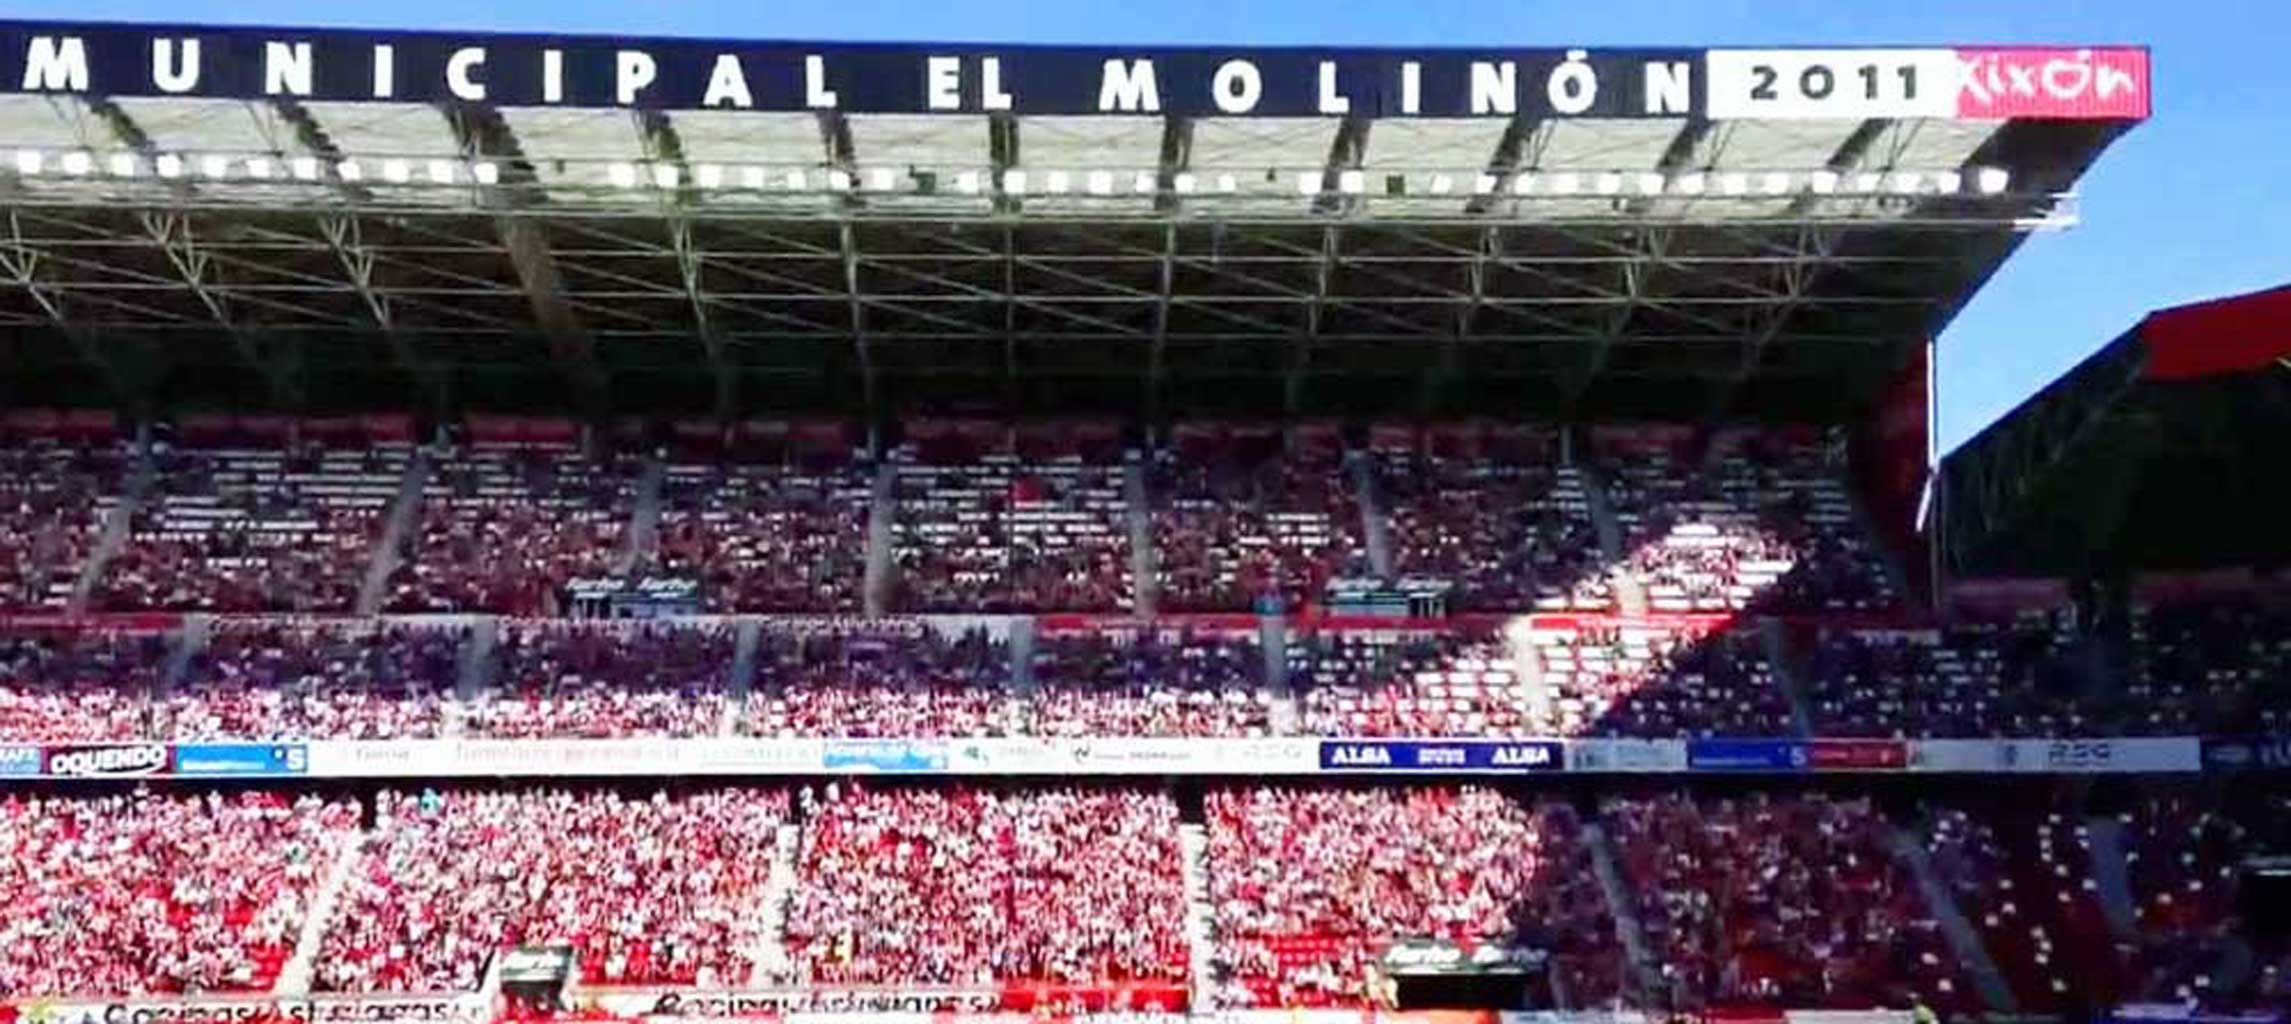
(2231, 335)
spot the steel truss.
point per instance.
(1631, 288)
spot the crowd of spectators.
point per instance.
(1460, 682)
(605, 680)
(2183, 860)
(54, 495)
(278, 527)
(1004, 534)
(1309, 887)
(892, 679)
(962, 887)
(1657, 681)
(659, 889)
(1758, 521)
(767, 536)
(503, 530)
(1970, 679)
(356, 680)
(1781, 900)
(2214, 666)
(2027, 889)
(1237, 528)
(143, 894)
(79, 685)
(1148, 683)
(1509, 536)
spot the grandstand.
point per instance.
(543, 528)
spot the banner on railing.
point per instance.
(889, 756)
(1626, 755)
(717, 1004)
(107, 760)
(212, 1010)
(2060, 756)
(241, 759)
(1119, 756)
(1736, 755)
(1442, 755)
(409, 1008)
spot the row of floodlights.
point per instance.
(1014, 181)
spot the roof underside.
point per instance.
(340, 255)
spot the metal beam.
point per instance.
(1301, 351)
(1157, 370)
(171, 231)
(1521, 144)
(860, 344)
(23, 266)
(1176, 158)
(482, 132)
(1816, 245)
(662, 144)
(1346, 152)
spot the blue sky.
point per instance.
(2194, 204)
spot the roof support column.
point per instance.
(1301, 352)
(860, 345)
(1157, 369)
(662, 144)
(483, 132)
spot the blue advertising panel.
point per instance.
(251, 759)
(1746, 755)
(884, 756)
(19, 759)
(1442, 755)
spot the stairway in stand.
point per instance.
(771, 953)
(1193, 844)
(294, 979)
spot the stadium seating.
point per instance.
(70, 686)
(954, 886)
(1510, 535)
(149, 894)
(1005, 534)
(1651, 680)
(1148, 683)
(858, 681)
(503, 529)
(656, 889)
(1784, 900)
(1764, 521)
(1308, 887)
(605, 680)
(2213, 666)
(1969, 679)
(359, 679)
(1387, 683)
(2182, 860)
(2025, 887)
(254, 527)
(766, 536)
(54, 494)
(1236, 523)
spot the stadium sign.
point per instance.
(1445, 755)
(721, 1004)
(518, 70)
(108, 760)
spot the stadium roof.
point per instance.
(323, 219)
(2163, 451)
